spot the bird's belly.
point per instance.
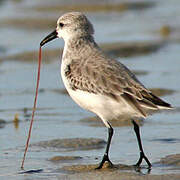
(105, 107)
(84, 99)
(102, 105)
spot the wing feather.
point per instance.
(104, 77)
(109, 77)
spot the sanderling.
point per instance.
(99, 83)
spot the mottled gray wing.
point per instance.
(109, 77)
(102, 77)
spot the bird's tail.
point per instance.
(158, 102)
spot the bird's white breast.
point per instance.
(82, 98)
(105, 107)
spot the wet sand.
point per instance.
(95, 6)
(124, 171)
(72, 144)
(116, 175)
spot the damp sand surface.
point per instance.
(68, 142)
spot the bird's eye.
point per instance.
(61, 25)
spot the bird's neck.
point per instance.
(76, 46)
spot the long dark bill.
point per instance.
(48, 38)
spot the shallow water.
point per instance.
(58, 116)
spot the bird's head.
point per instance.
(70, 25)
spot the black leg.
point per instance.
(106, 154)
(142, 155)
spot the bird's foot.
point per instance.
(142, 156)
(105, 158)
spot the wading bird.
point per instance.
(99, 83)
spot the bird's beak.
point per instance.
(48, 38)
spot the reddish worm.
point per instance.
(34, 109)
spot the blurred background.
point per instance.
(142, 34)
